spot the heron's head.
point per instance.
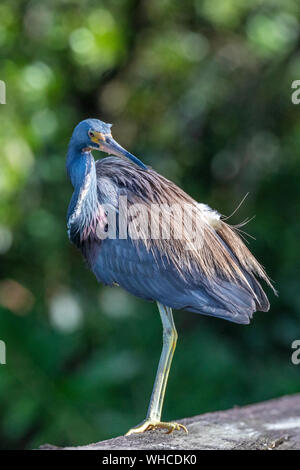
(93, 134)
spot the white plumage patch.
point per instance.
(212, 217)
(82, 196)
(88, 213)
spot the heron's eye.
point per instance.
(91, 134)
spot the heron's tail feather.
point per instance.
(251, 267)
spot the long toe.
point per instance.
(149, 425)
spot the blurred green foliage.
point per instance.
(200, 90)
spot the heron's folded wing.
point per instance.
(213, 273)
(137, 271)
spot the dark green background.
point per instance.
(200, 90)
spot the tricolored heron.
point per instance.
(212, 272)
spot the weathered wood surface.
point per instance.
(273, 424)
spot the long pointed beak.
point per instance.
(112, 147)
(108, 144)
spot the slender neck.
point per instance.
(82, 173)
(79, 163)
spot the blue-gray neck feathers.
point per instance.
(83, 206)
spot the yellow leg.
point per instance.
(152, 420)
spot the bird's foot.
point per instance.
(151, 424)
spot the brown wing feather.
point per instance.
(208, 250)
